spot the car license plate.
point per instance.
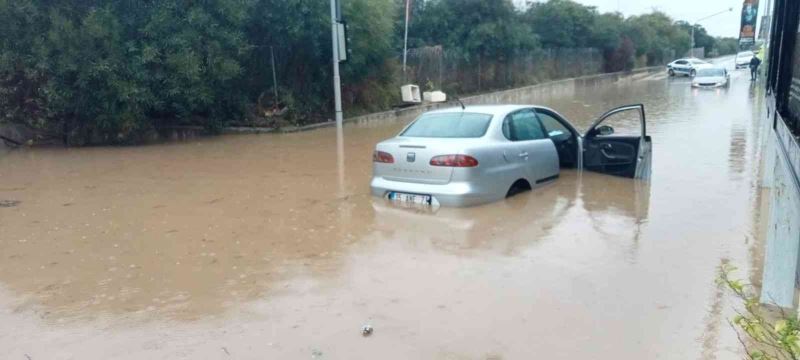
(410, 198)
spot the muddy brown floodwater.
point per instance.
(270, 247)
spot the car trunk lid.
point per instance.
(412, 158)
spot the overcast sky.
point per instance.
(726, 24)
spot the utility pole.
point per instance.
(337, 82)
(405, 40)
(274, 76)
(695, 23)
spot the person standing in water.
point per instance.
(754, 63)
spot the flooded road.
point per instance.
(270, 247)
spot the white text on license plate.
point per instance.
(410, 198)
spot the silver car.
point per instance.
(711, 77)
(743, 59)
(472, 155)
(687, 66)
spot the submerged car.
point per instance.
(743, 59)
(687, 66)
(472, 155)
(711, 77)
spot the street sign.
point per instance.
(747, 30)
(341, 31)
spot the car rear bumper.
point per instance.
(454, 194)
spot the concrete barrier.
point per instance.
(509, 96)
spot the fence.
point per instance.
(453, 72)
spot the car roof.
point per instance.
(497, 110)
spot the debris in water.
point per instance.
(366, 330)
(9, 203)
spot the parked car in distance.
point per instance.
(472, 155)
(711, 77)
(743, 59)
(686, 66)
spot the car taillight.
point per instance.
(382, 157)
(454, 161)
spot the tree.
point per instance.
(701, 37)
(726, 45)
(655, 37)
(488, 28)
(563, 23)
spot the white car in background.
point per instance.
(711, 77)
(686, 66)
(743, 59)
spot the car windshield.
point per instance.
(710, 72)
(449, 125)
(746, 53)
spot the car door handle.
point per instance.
(523, 154)
(607, 155)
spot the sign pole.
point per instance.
(337, 82)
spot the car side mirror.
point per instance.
(555, 133)
(605, 130)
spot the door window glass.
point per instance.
(523, 126)
(625, 123)
(554, 128)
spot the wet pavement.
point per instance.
(270, 247)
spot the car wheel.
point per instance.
(692, 73)
(519, 186)
(671, 72)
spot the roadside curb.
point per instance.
(470, 100)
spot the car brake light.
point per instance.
(454, 161)
(382, 157)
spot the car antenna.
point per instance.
(460, 103)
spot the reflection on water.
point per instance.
(277, 239)
(615, 207)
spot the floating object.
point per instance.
(410, 93)
(366, 330)
(9, 203)
(434, 96)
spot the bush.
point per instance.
(769, 335)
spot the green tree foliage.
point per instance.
(474, 27)
(768, 334)
(563, 23)
(701, 37)
(91, 71)
(726, 45)
(655, 35)
(193, 58)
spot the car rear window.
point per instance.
(449, 125)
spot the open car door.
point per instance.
(626, 152)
